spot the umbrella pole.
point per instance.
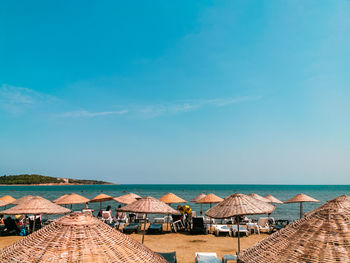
(209, 221)
(201, 210)
(144, 230)
(301, 209)
(167, 223)
(239, 241)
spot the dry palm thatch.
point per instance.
(273, 199)
(198, 197)
(78, 238)
(210, 199)
(148, 205)
(301, 198)
(321, 236)
(3, 203)
(259, 197)
(8, 199)
(60, 198)
(23, 199)
(35, 206)
(239, 204)
(101, 198)
(171, 198)
(72, 199)
(125, 199)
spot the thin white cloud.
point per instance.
(154, 110)
(17, 99)
(87, 114)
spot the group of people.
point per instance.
(186, 215)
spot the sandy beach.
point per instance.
(185, 245)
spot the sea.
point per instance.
(188, 192)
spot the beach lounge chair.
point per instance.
(205, 257)
(140, 217)
(218, 229)
(263, 224)
(10, 227)
(229, 258)
(279, 224)
(198, 226)
(106, 217)
(242, 229)
(169, 256)
(155, 229)
(132, 228)
(177, 224)
(87, 212)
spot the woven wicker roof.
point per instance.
(125, 199)
(210, 199)
(60, 198)
(23, 199)
(198, 197)
(148, 205)
(259, 197)
(171, 198)
(135, 196)
(78, 238)
(101, 198)
(72, 199)
(273, 199)
(321, 236)
(35, 206)
(239, 204)
(8, 199)
(300, 198)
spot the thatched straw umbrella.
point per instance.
(273, 199)
(23, 199)
(71, 199)
(125, 199)
(301, 198)
(3, 203)
(259, 197)
(237, 205)
(321, 236)
(78, 238)
(197, 198)
(101, 198)
(171, 198)
(8, 199)
(35, 206)
(209, 199)
(60, 198)
(148, 205)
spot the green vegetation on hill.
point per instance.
(41, 179)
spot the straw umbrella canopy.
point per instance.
(60, 198)
(237, 205)
(71, 199)
(148, 205)
(135, 196)
(125, 199)
(210, 199)
(321, 236)
(35, 206)
(23, 199)
(171, 198)
(78, 238)
(301, 198)
(197, 198)
(273, 199)
(101, 198)
(3, 203)
(259, 197)
(8, 199)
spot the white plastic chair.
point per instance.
(221, 229)
(106, 217)
(263, 224)
(205, 256)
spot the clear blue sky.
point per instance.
(176, 91)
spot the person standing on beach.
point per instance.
(187, 212)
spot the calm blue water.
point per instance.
(187, 192)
